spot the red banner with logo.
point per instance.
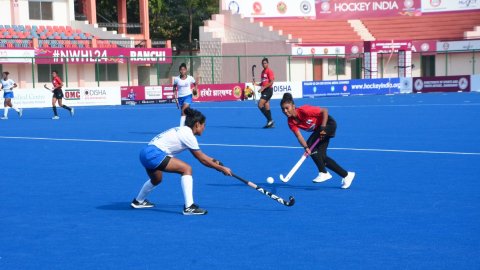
(103, 56)
(359, 9)
(219, 92)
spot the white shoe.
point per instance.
(322, 177)
(55, 118)
(4, 118)
(72, 112)
(347, 181)
(20, 112)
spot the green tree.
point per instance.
(179, 20)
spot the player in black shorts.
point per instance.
(58, 95)
(267, 77)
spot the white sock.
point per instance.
(187, 187)
(5, 111)
(182, 120)
(15, 108)
(146, 189)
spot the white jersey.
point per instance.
(8, 85)
(183, 85)
(175, 140)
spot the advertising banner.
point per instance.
(91, 96)
(30, 98)
(383, 86)
(103, 56)
(463, 45)
(272, 9)
(132, 95)
(351, 87)
(388, 46)
(280, 88)
(219, 92)
(326, 88)
(449, 5)
(16, 56)
(83, 96)
(359, 9)
(475, 82)
(441, 84)
(319, 50)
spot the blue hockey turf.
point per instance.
(66, 186)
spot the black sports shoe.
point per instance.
(144, 204)
(269, 124)
(194, 210)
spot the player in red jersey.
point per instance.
(322, 125)
(267, 78)
(58, 95)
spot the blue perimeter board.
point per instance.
(66, 186)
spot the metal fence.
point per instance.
(238, 68)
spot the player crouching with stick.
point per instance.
(323, 126)
(158, 157)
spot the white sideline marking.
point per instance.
(252, 146)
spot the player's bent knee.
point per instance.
(187, 170)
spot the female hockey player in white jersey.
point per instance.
(182, 90)
(158, 157)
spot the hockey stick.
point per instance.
(290, 202)
(175, 93)
(48, 88)
(298, 164)
(253, 82)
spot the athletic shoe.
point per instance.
(20, 112)
(347, 181)
(4, 118)
(55, 117)
(322, 177)
(194, 210)
(72, 112)
(269, 124)
(144, 204)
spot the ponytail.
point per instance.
(287, 98)
(193, 116)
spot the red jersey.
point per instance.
(267, 76)
(309, 118)
(57, 82)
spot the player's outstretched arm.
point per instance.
(302, 141)
(208, 161)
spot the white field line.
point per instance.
(251, 146)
